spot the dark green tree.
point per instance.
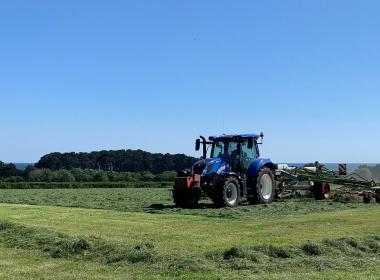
(121, 161)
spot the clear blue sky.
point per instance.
(91, 75)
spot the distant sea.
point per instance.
(22, 165)
(333, 166)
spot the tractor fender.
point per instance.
(258, 164)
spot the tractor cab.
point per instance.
(229, 153)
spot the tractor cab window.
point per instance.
(232, 150)
(233, 155)
(248, 155)
(218, 149)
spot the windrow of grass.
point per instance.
(335, 254)
(328, 254)
(58, 245)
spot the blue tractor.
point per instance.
(233, 170)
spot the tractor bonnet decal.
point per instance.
(221, 169)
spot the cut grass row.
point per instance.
(328, 254)
(25, 264)
(175, 233)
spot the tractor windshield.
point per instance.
(224, 148)
(218, 149)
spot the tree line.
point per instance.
(121, 161)
(32, 174)
(102, 166)
(9, 170)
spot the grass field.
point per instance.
(138, 234)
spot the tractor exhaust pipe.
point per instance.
(204, 143)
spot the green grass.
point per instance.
(83, 185)
(114, 199)
(309, 256)
(158, 200)
(145, 237)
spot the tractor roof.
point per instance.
(243, 136)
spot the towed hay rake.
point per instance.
(318, 179)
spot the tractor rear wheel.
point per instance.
(262, 188)
(377, 198)
(321, 191)
(367, 197)
(226, 193)
(186, 198)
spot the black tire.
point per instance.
(280, 191)
(262, 189)
(186, 198)
(321, 191)
(226, 193)
(367, 197)
(377, 197)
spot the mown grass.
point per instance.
(329, 254)
(83, 185)
(159, 201)
(101, 198)
(139, 234)
(175, 233)
(22, 264)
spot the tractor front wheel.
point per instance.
(226, 193)
(262, 188)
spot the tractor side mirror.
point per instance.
(250, 143)
(197, 144)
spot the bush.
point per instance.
(27, 170)
(14, 179)
(147, 176)
(132, 177)
(166, 176)
(40, 175)
(115, 176)
(63, 176)
(81, 175)
(101, 177)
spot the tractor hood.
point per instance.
(210, 166)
